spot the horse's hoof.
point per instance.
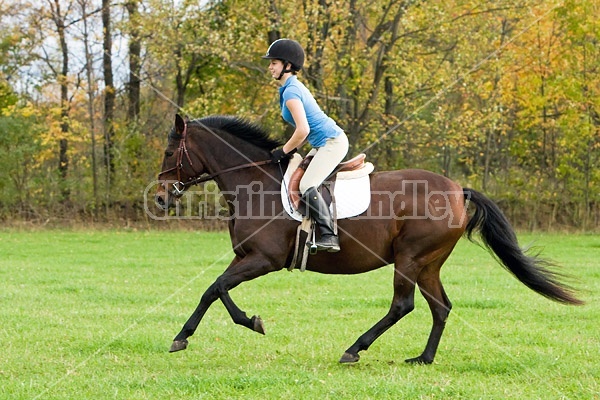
(349, 358)
(257, 325)
(178, 345)
(418, 360)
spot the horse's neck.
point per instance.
(254, 178)
(252, 192)
(233, 152)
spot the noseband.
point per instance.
(179, 186)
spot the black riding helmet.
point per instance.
(288, 51)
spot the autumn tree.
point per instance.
(501, 96)
(86, 11)
(59, 18)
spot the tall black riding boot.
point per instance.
(319, 211)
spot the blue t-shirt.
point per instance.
(321, 126)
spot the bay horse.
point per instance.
(414, 221)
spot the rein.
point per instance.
(179, 186)
(200, 179)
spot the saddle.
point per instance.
(353, 164)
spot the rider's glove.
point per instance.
(278, 155)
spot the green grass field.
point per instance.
(91, 315)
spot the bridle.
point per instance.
(179, 186)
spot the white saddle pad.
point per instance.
(352, 191)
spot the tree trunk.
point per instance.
(109, 98)
(318, 32)
(135, 49)
(274, 17)
(63, 145)
(91, 98)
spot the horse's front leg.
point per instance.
(240, 270)
(239, 317)
(180, 341)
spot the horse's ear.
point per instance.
(179, 124)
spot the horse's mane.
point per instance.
(240, 128)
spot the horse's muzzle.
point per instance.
(164, 197)
(161, 201)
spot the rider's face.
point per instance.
(275, 68)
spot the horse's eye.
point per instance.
(168, 153)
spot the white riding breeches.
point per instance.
(325, 160)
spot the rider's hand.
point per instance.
(278, 155)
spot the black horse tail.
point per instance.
(501, 240)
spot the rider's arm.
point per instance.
(302, 129)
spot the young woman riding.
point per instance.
(329, 142)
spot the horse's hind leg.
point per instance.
(439, 304)
(402, 304)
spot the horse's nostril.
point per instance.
(159, 200)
